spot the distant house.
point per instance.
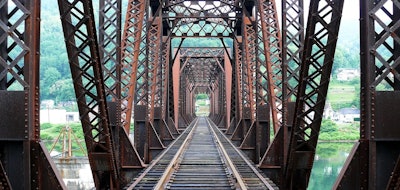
(347, 115)
(58, 116)
(347, 74)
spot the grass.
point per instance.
(342, 94)
(50, 132)
(344, 132)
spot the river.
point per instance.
(329, 160)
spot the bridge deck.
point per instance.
(201, 158)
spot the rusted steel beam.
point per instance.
(249, 62)
(25, 163)
(272, 162)
(237, 72)
(110, 48)
(4, 181)
(147, 138)
(133, 37)
(293, 44)
(374, 166)
(394, 181)
(269, 70)
(320, 44)
(169, 128)
(83, 52)
(128, 161)
(176, 88)
(156, 84)
(154, 66)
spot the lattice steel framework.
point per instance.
(127, 158)
(320, 44)
(374, 161)
(203, 71)
(131, 48)
(269, 55)
(109, 47)
(114, 75)
(24, 160)
(86, 69)
(109, 149)
(273, 162)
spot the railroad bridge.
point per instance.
(268, 76)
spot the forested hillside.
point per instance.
(55, 77)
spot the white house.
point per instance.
(58, 116)
(347, 74)
(347, 115)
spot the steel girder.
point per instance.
(248, 133)
(270, 69)
(273, 162)
(24, 160)
(131, 50)
(128, 161)
(157, 84)
(147, 139)
(374, 161)
(112, 157)
(86, 69)
(135, 74)
(203, 70)
(321, 37)
(166, 86)
(237, 80)
(200, 18)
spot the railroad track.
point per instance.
(201, 158)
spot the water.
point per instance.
(329, 160)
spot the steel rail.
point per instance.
(265, 182)
(174, 162)
(155, 161)
(229, 162)
(162, 183)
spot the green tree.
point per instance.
(62, 90)
(328, 126)
(50, 75)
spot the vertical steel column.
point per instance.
(146, 135)
(110, 58)
(292, 36)
(270, 70)
(230, 105)
(156, 86)
(110, 53)
(176, 86)
(248, 78)
(133, 37)
(24, 160)
(238, 81)
(248, 133)
(166, 88)
(110, 50)
(322, 31)
(374, 160)
(84, 58)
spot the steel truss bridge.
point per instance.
(266, 76)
